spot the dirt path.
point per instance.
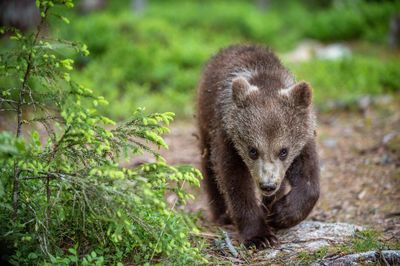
(360, 159)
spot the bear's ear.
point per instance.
(300, 94)
(241, 89)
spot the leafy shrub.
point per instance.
(155, 57)
(352, 20)
(64, 197)
(348, 79)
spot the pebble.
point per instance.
(330, 143)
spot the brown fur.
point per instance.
(231, 117)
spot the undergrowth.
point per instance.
(155, 57)
(64, 197)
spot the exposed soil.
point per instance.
(360, 165)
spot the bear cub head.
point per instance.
(269, 128)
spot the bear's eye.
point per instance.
(283, 154)
(253, 153)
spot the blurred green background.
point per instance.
(150, 53)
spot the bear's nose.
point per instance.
(268, 187)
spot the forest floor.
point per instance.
(359, 149)
(360, 165)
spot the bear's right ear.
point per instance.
(241, 89)
(300, 94)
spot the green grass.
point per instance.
(365, 240)
(348, 79)
(306, 258)
(154, 59)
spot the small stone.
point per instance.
(333, 51)
(362, 194)
(386, 159)
(388, 137)
(364, 102)
(329, 143)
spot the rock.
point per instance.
(310, 236)
(329, 143)
(333, 51)
(303, 52)
(364, 102)
(309, 49)
(388, 137)
(384, 257)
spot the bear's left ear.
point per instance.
(300, 94)
(241, 90)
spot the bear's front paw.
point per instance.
(264, 238)
(285, 214)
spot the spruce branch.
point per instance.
(15, 194)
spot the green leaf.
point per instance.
(72, 251)
(66, 20)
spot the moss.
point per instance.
(306, 257)
(365, 240)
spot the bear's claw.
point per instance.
(262, 240)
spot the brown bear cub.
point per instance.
(257, 138)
